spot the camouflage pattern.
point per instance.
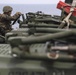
(7, 8)
(5, 19)
(39, 51)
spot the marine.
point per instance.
(6, 19)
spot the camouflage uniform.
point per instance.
(5, 20)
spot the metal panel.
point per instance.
(68, 1)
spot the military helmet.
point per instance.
(7, 8)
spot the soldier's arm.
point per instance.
(10, 18)
(6, 17)
(15, 16)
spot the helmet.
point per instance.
(7, 8)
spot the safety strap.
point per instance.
(66, 19)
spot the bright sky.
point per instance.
(29, 1)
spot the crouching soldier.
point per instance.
(6, 18)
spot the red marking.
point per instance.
(66, 7)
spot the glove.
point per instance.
(18, 13)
